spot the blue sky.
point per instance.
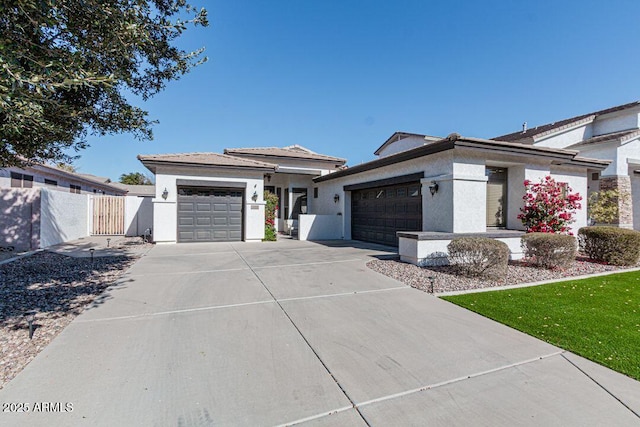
(339, 77)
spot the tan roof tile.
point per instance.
(208, 159)
(293, 151)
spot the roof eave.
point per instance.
(152, 164)
(335, 160)
(76, 177)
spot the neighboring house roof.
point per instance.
(203, 159)
(397, 136)
(560, 156)
(102, 179)
(539, 131)
(292, 152)
(137, 190)
(620, 137)
(87, 179)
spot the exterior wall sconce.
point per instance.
(255, 196)
(268, 176)
(165, 193)
(336, 198)
(433, 188)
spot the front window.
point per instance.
(496, 197)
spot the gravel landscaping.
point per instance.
(58, 288)
(446, 279)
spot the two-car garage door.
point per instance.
(377, 213)
(209, 214)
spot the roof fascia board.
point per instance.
(156, 163)
(274, 156)
(565, 128)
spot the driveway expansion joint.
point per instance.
(335, 380)
(600, 385)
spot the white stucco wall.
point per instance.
(435, 252)
(627, 119)
(64, 217)
(320, 227)
(165, 211)
(402, 145)
(577, 180)
(566, 138)
(138, 215)
(20, 218)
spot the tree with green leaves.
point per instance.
(66, 66)
(135, 178)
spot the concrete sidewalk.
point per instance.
(302, 333)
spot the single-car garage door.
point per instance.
(209, 214)
(377, 213)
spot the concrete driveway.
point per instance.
(301, 333)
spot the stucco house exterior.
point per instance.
(418, 193)
(612, 134)
(220, 197)
(52, 178)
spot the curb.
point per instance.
(20, 256)
(529, 284)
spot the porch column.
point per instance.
(621, 183)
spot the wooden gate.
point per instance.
(108, 215)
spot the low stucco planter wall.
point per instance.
(430, 248)
(320, 227)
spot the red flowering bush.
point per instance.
(270, 216)
(549, 207)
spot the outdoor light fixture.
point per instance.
(432, 280)
(31, 318)
(268, 176)
(108, 241)
(336, 198)
(255, 196)
(433, 188)
(92, 251)
(165, 193)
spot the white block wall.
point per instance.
(64, 217)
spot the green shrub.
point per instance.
(479, 256)
(613, 245)
(549, 250)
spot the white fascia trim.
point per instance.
(452, 177)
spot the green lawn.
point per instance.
(597, 318)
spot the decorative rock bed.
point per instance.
(58, 288)
(447, 280)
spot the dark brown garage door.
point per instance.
(209, 214)
(377, 213)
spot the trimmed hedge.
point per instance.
(613, 245)
(479, 256)
(549, 250)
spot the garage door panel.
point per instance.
(186, 207)
(203, 220)
(220, 207)
(185, 220)
(378, 213)
(220, 221)
(186, 235)
(235, 207)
